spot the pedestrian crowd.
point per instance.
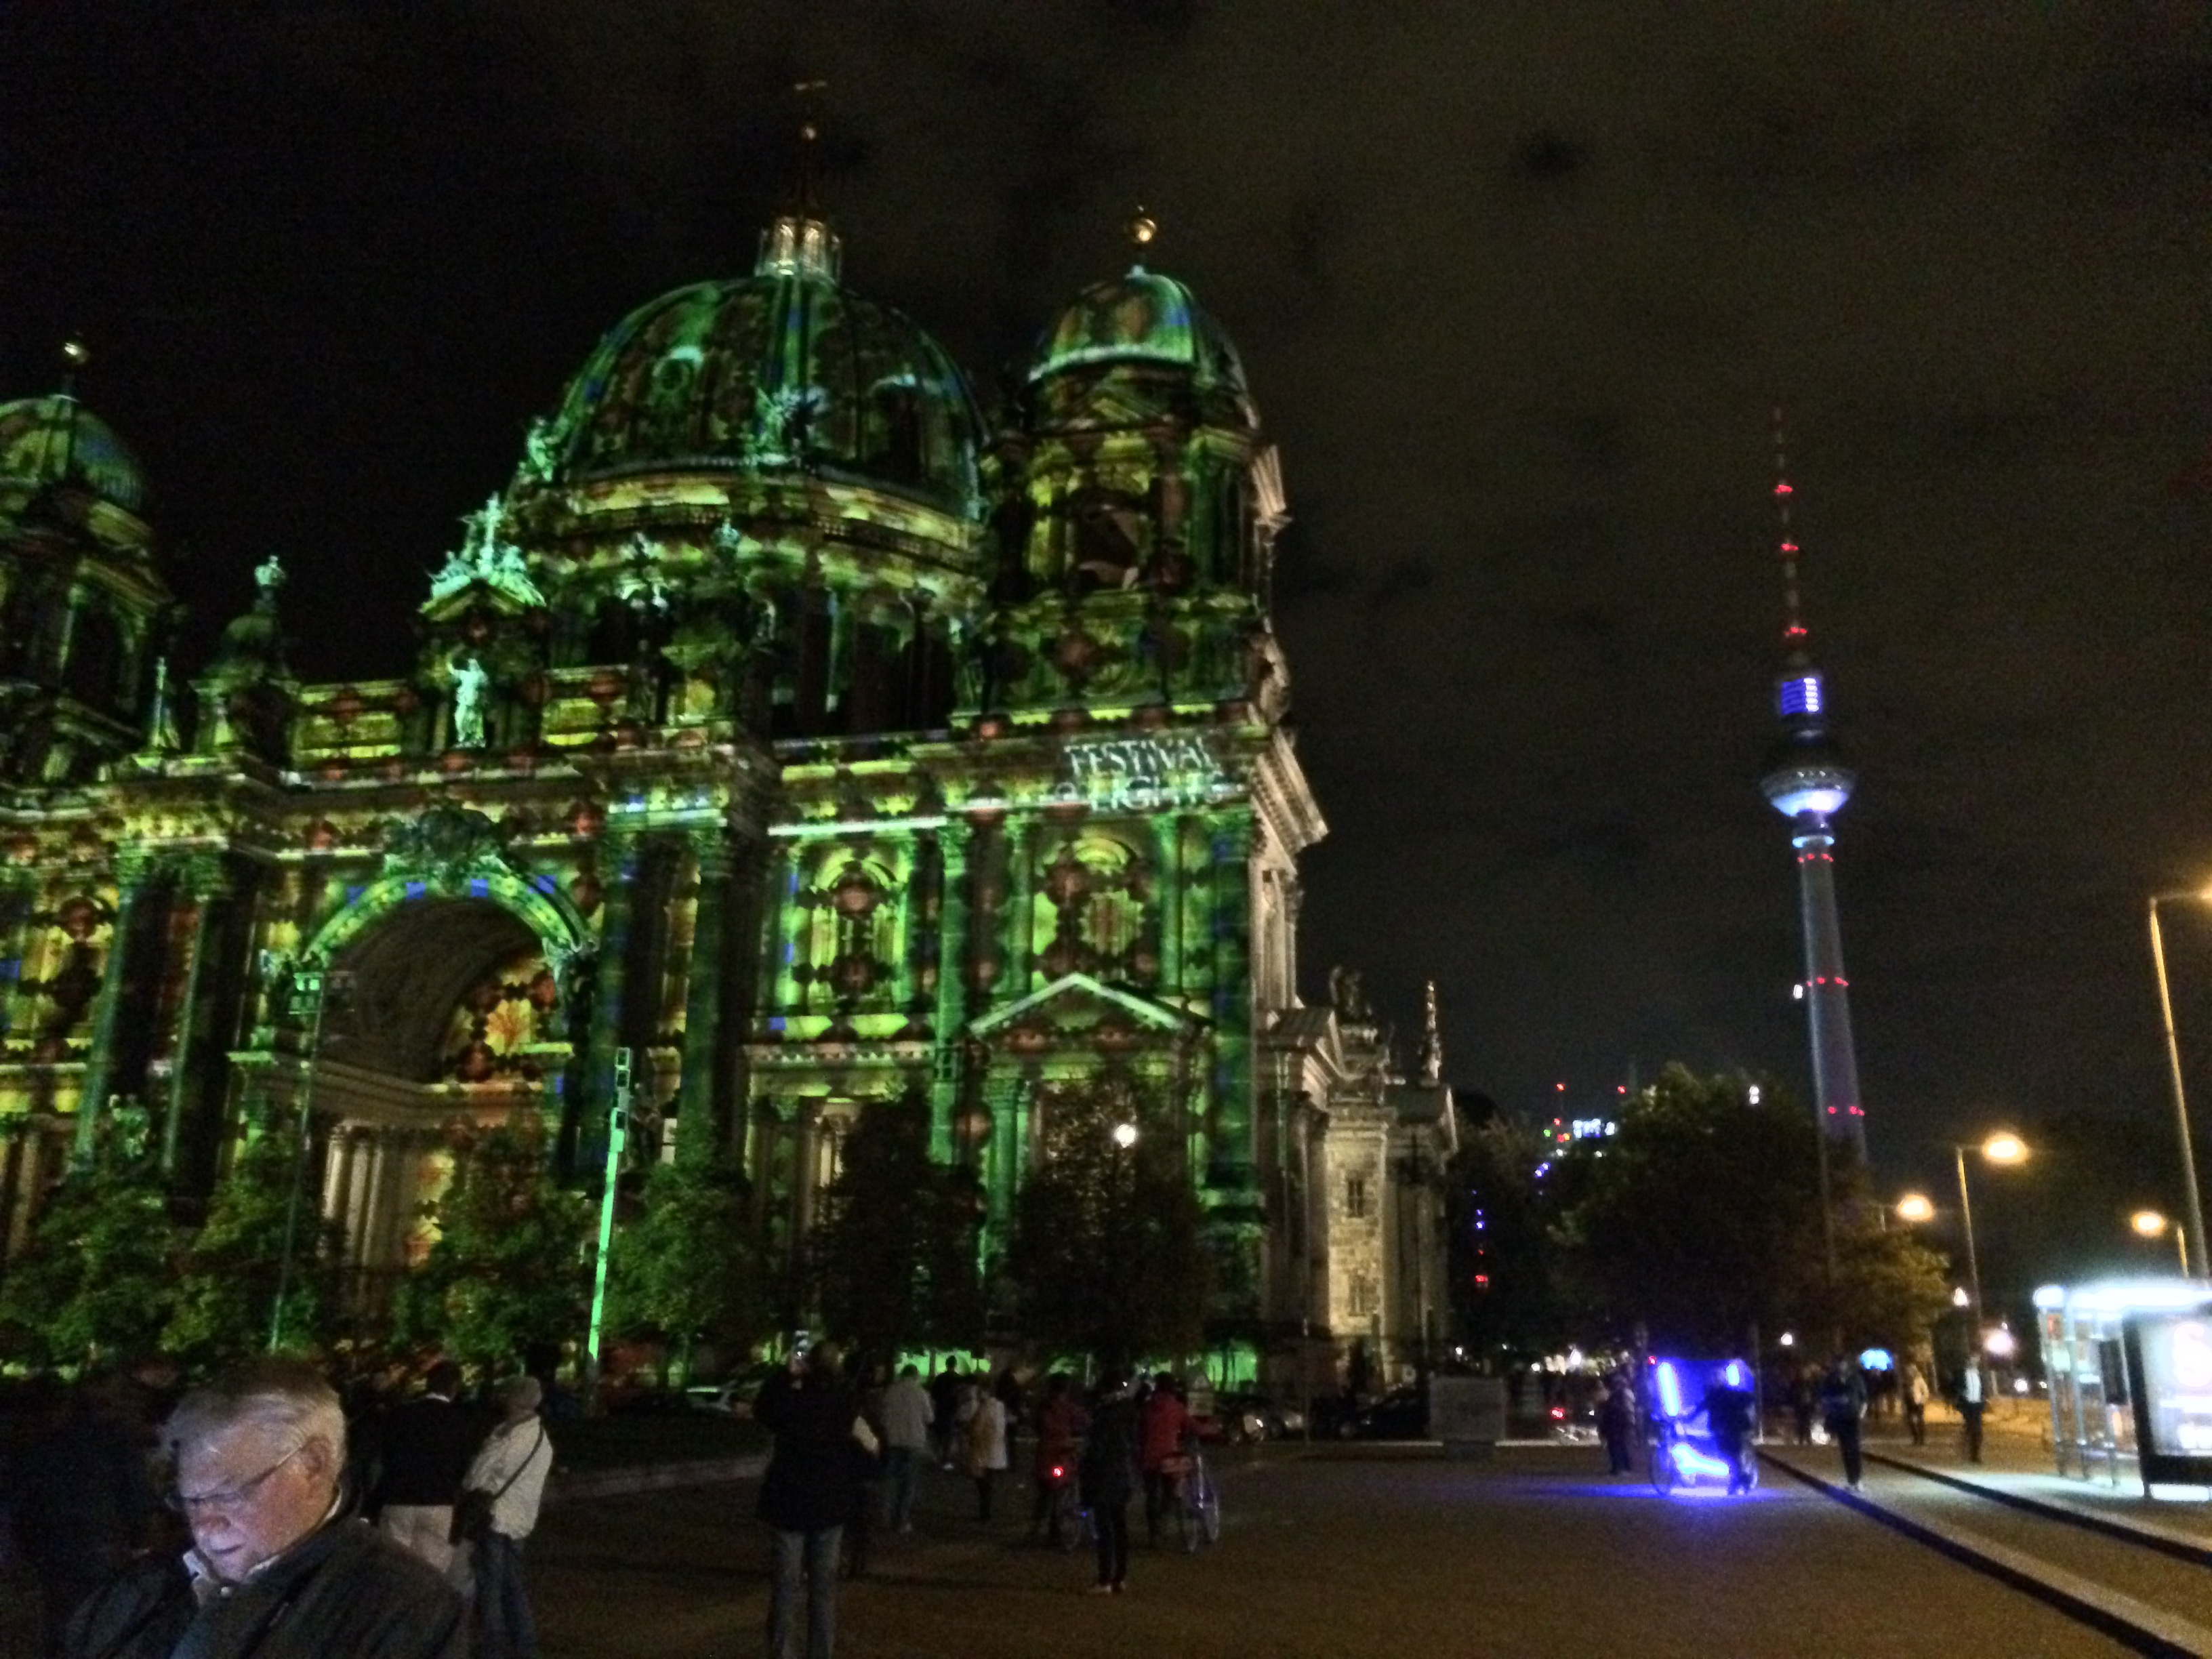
(852, 1446)
(252, 1516)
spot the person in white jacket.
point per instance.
(510, 1469)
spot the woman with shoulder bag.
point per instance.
(497, 1510)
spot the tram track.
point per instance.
(2136, 1584)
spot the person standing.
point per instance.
(1843, 1407)
(806, 1493)
(1971, 1404)
(1056, 1426)
(946, 1390)
(1616, 1423)
(277, 1569)
(510, 1471)
(1916, 1404)
(1166, 1425)
(908, 1414)
(1108, 1475)
(420, 1452)
(983, 1443)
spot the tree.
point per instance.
(1703, 1215)
(95, 1284)
(226, 1290)
(1502, 1259)
(511, 1268)
(894, 1255)
(1700, 1217)
(688, 1270)
(1106, 1254)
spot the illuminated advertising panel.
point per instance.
(2170, 1377)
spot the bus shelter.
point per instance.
(2129, 1367)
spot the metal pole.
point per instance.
(617, 1136)
(1973, 1266)
(2181, 1099)
(315, 982)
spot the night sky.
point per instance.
(1516, 285)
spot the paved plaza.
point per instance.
(1336, 1555)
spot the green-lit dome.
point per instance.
(1142, 317)
(57, 439)
(785, 371)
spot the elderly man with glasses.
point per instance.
(279, 1568)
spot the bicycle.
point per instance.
(1198, 1500)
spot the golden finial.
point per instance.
(1142, 228)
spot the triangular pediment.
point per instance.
(1077, 1002)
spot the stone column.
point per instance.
(703, 999)
(204, 880)
(586, 1119)
(951, 986)
(1229, 1144)
(132, 869)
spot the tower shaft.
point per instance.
(1828, 991)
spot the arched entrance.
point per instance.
(430, 998)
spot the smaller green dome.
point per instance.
(57, 439)
(1141, 318)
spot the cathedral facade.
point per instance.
(783, 731)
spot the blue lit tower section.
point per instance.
(1808, 783)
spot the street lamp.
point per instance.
(2004, 1148)
(2149, 1223)
(1915, 1206)
(2181, 1099)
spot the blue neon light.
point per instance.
(1801, 696)
(1670, 1389)
(1693, 1462)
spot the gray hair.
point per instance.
(287, 1398)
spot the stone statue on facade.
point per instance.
(471, 681)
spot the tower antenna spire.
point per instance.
(1785, 546)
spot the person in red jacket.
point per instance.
(1166, 1427)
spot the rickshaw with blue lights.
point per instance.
(1689, 1447)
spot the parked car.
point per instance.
(1400, 1414)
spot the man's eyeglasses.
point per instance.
(224, 1499)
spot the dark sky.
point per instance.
(1516, 285)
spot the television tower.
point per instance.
(1808, 782)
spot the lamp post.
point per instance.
(2196, 1226)
(2004, 1148)
(2149, 1223)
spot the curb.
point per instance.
(654, 1477)
(2133, 1625)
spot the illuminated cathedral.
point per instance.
(783, 724)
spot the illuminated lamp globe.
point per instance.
(2149, 1223)
(2004, 1147)
(1915, 1206)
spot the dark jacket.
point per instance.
(421, 1451)
(1108, 1470)
(809, 1484)
(344, 1593)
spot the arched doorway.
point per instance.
(426, 1004)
